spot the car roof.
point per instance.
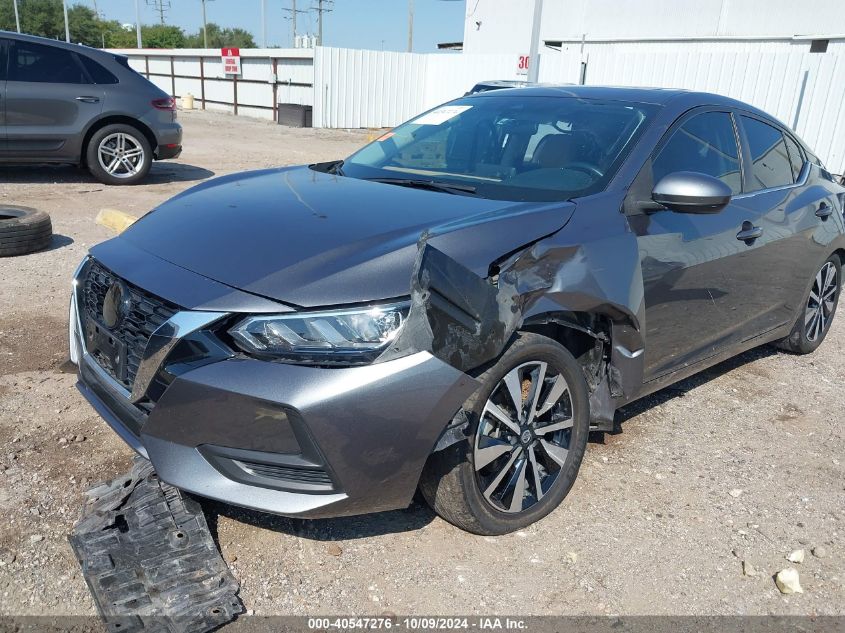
(657, 96)
(79, 48)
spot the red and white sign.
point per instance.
(231, 58)
(522, 63)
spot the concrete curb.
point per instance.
(115, 220)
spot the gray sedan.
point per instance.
(64, 103)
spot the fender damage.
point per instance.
(592, 286)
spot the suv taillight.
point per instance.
(165, 104)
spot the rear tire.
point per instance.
(23, 230)
(820, 305)
(119, 154)
(500, 494)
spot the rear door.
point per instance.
(790, 211)
(3, 45)
(697, 273)
(50, 100)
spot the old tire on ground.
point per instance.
(819, 308)
(23, 230)
(489, 483)
(119, 154)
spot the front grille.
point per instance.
(318, 477)
(145, 313)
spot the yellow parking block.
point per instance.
(115, 220)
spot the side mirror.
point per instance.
(691, 192)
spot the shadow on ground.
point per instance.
(160, 173)
(415, 517)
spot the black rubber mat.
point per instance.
(149, 559)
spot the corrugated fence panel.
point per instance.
(772, 80)
(359, 88)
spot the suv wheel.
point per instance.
(119, 154)
(529, 423)
(820, 305)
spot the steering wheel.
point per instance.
(587, 168)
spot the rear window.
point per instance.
(97, 71)
(44, 64)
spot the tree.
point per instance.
(218, 38)
(46, 18)
(162, 36)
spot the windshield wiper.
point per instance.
(331, 167)
(433, 185)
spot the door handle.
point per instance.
(88, 99)
(824, 211)
(748, 233)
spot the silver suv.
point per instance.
(64, 103)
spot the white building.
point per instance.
(504, 26)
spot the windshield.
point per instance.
(508, 147)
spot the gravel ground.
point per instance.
(741, 463)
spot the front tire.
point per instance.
(529, 424)
(820, 305)
(119, 154)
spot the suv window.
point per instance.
(3, 45)
(796, 156)
(770, 166)
(44, 64)
(98, 73)
(706, 143)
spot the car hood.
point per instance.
(308, 238)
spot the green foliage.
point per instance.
(219, 37)
(46, 18)
(162, 36)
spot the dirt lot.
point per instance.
(743, 463)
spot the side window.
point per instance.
(705, 143)
(97, 72)
(770, 166)
(796, 156)
(44, 64)
(3, 45)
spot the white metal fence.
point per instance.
(351, 88)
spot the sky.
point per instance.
(371, 24)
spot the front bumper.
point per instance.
(292, 440)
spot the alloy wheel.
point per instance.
(821, 303)
(121, 155)
(523, 437)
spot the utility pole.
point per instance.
(320, 11)
(161, 6)
(534, 52)
(67, 27)
(410, 26)
(293, 11)
(263, 23)
(138, 23)
(204, 26)
(17, 17)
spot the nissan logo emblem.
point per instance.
(115, 305)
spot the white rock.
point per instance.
(735, 492)
(788, 581)
(796, 557)
(748, 569)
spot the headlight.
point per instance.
(350, 336)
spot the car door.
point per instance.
(696, 303)
(49, 102)
(3, 44)
(790, 211)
